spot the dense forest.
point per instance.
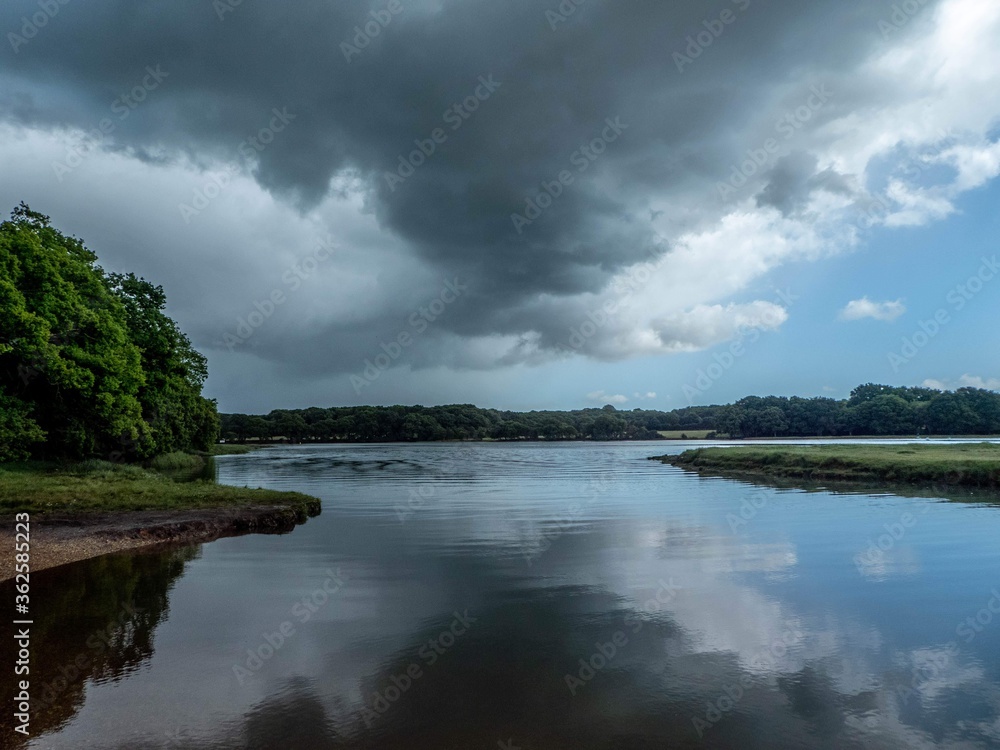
(871, 410)
(90, 365)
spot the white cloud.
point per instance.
(966, 381)
(915, 206)
(604, 398)
(706, 325)
(858, 309)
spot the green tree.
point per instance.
(608, 427)
(67, 363)
(288, 424)
(421, 427)
(885, 415)
(89, 363)
(171, 399)
(731, 421)
(236, 427)
(771, 422)
(18, 431)
(260, 428)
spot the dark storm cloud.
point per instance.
(230, 67)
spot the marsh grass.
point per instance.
(966, 464)
(178, 461)
(102, 486)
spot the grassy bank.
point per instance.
(966, 465)
(178, 461)
(104, 487)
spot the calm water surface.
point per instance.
(534, 596)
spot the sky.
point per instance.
(528, 205)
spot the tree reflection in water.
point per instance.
(92, 622)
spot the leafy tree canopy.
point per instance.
(90, 365)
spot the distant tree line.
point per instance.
(90, 365)
(870, 410)
(455, 422)
(879, 410)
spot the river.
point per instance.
(534, 596)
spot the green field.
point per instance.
(968, 465)
(102, 486)
(684, 434)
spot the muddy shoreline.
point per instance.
(59, 539)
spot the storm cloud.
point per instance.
(593, 179)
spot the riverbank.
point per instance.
(957, 465)
(84, 510)
(236, 449)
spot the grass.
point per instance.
(178, 461)
(969, 464)
(102, 486)
(685, 434)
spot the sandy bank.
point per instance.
(60, 539)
